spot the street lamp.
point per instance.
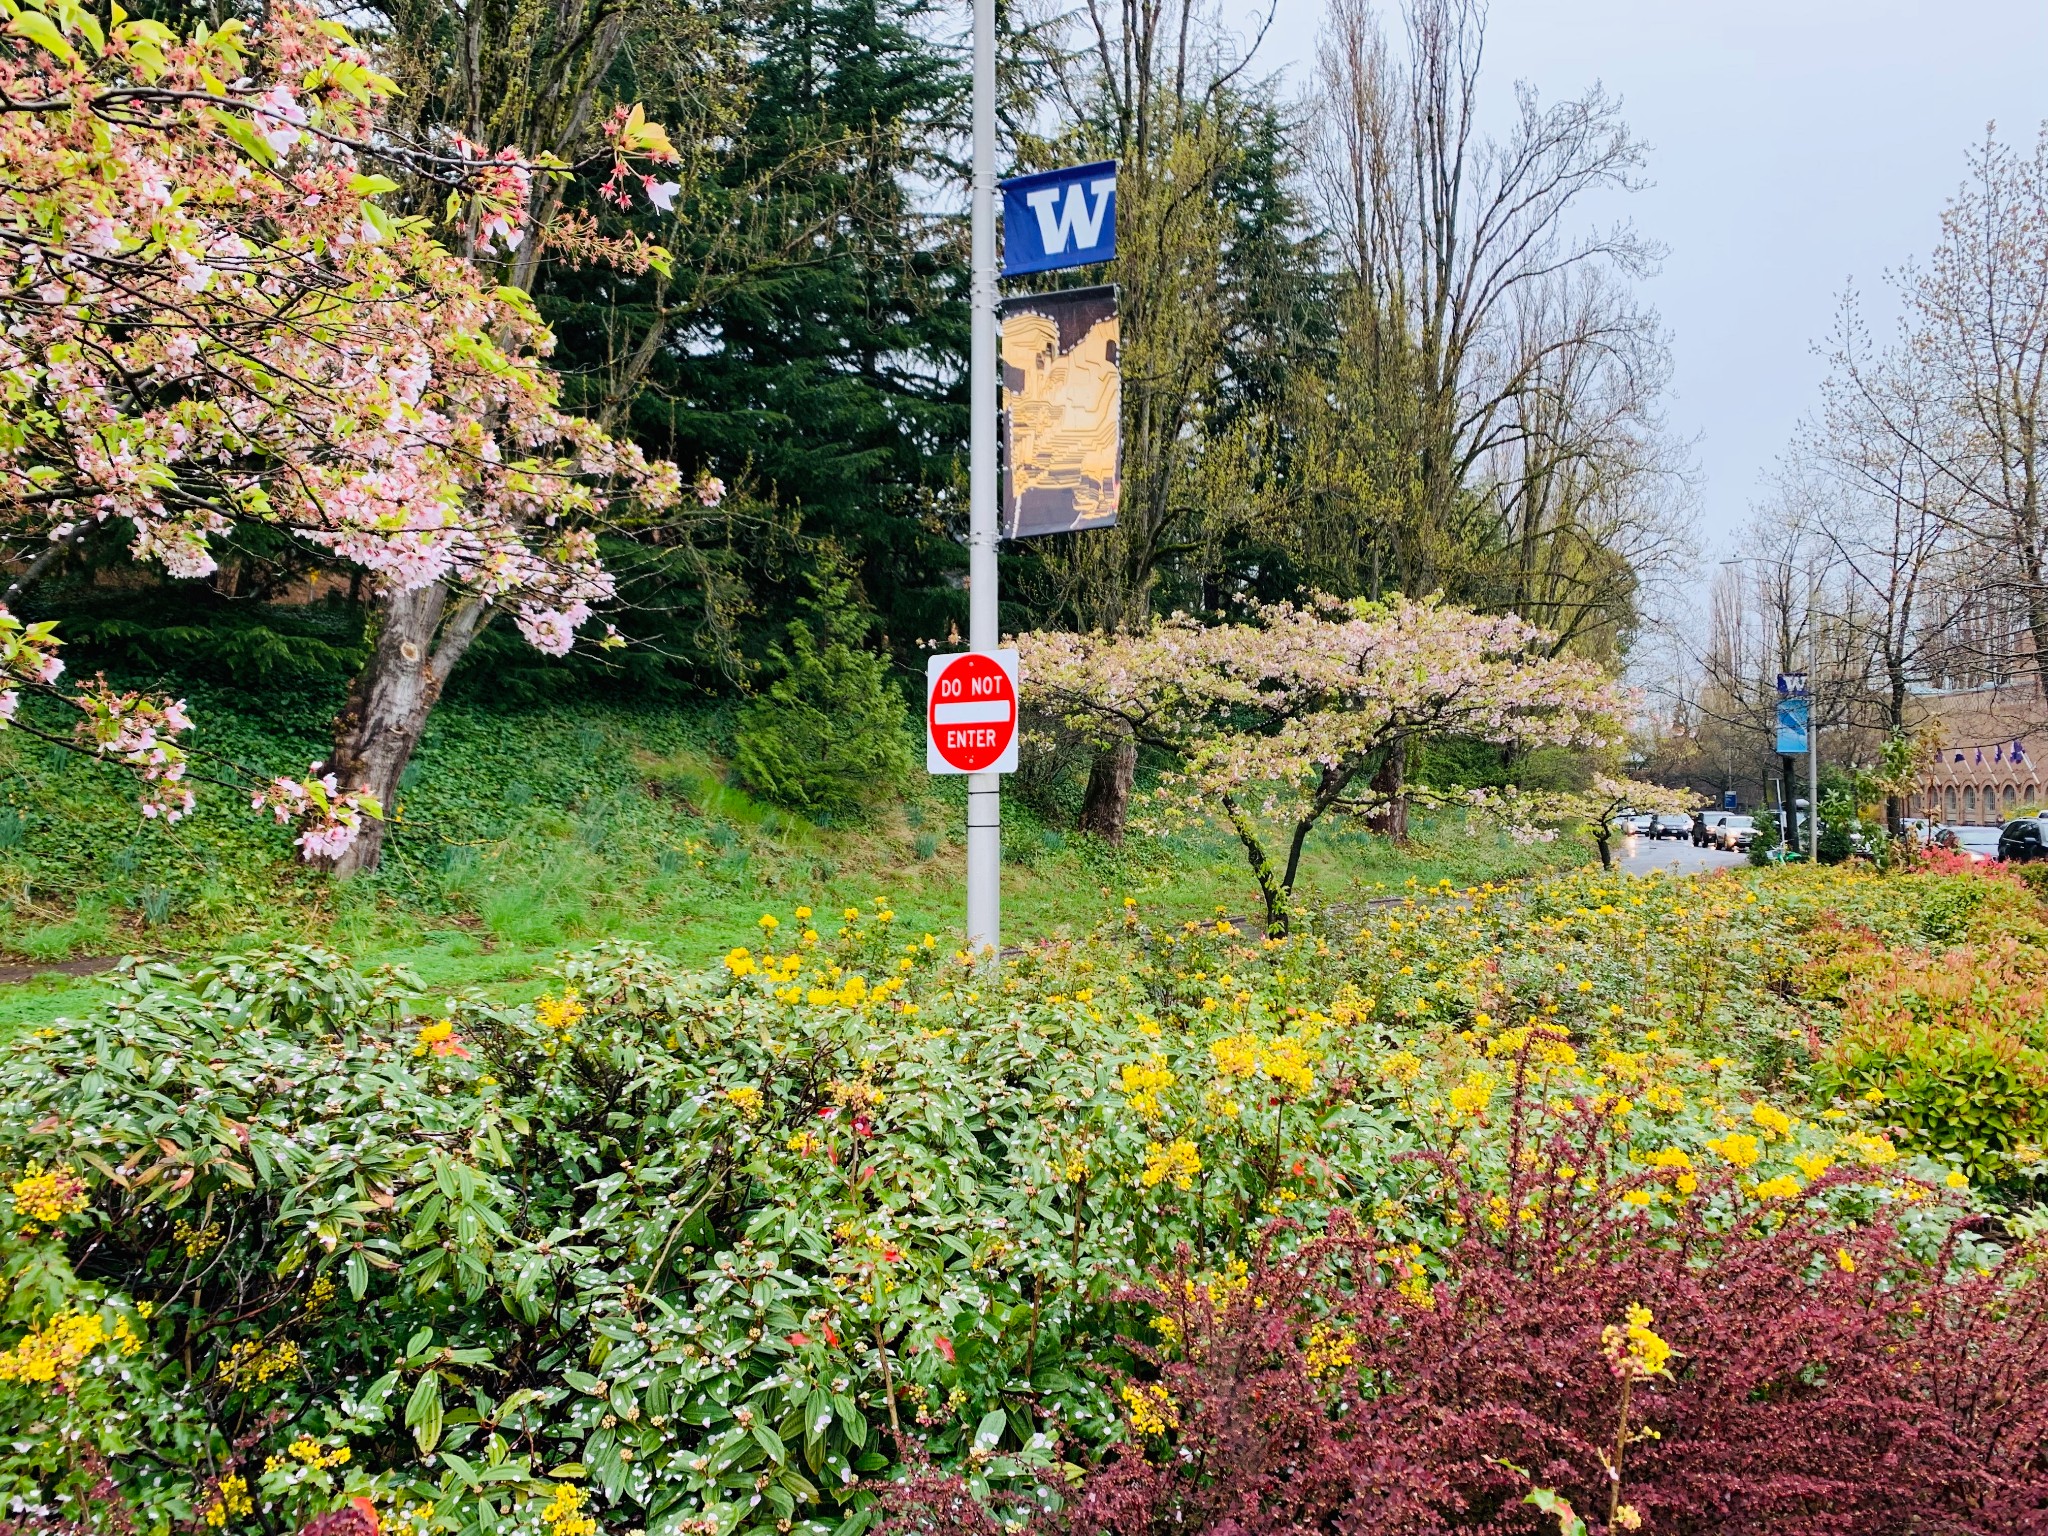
(1812, 800)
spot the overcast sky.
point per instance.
(1795, 145)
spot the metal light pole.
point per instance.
(1812, 715)
(1812, 727)
(984, 790)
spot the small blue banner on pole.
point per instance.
(1054, 219)
(1792, 733)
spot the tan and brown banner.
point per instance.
(1062, 412)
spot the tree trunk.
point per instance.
(1391, 782)
(1272, 890)
(1108, 800)
(390, 699)
(1600, 840)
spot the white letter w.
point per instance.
(1074, 217)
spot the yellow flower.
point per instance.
(249, 1362)
(1415, 1287)
(1775, 1123)
(1665, 1098)
(231, 1498)
(558, 1013)
(1634, 1350)
(1328, 1350)
(563, 1515)
(1846, 1261)
(1813, 1164)
(1153, 1410)
(768, 922)
(1957, 1179)
(1235, 1055)
(1286, 1063)
(48, 1197)
(1738, 1148)
(1473, 1095)
(48, 1355)
(1144, 1081)
(1783, 1187)
(802, 914)
(1871, 1149)
(1177, 1163)
(740, 961)
(1401, 1067)
(746, 1100)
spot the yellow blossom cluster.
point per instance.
(1474, 1094)
(1547, 1044)
(563, 1514)
(230, 1500)
(1737, 1147)
(1144, 1081)
(1152, 1408)
(48, 1196)
(251, 1362)
(1176, 1163)
(50, 1355)
(1634, 1350)
(558, 1014)
(1327, 1350)
(1285, 1061)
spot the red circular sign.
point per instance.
(972, 712)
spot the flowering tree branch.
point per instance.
(1286, 718)
(208, 318)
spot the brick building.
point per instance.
(1985, 769)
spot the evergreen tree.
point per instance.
(818, 364)
(828, 734)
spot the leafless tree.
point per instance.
(1509, 373)
(1979, 314)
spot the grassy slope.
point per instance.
(527, 832)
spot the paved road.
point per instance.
(1640, 855)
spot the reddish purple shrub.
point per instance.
(1824, 1381)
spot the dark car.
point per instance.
(2023, 841)
(1670, 824)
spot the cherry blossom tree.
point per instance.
(1599, 807)
(1282, 720)
(207, 318)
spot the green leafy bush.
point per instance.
(1956, 1047)
(829, 734)
(679, 1251)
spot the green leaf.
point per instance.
(991, 1430)
(423, 1412)
(41, 31)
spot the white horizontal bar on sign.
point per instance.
(996, 712)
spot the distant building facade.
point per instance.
(1984, 770)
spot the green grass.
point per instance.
(525, 833)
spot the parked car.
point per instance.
(1978, 844)
(1731, 832)
(2024, 840)
(1670, 824)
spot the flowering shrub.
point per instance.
(714, 1250)
(1956, 1046)
(1286, 719)
(1794, 1374)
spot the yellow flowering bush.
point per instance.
(711, 1235)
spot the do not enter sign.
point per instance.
(971, 713)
